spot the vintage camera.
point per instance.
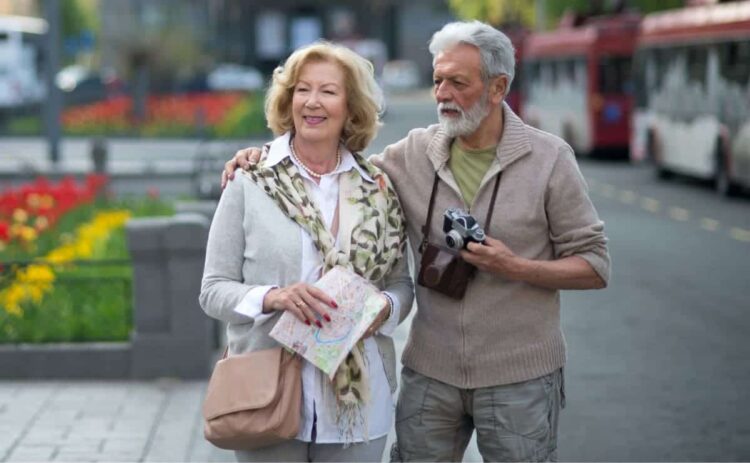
(460, 229)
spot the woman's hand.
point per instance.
(306, 302)
(382, 317)
(242, 158)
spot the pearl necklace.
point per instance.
(308, 169)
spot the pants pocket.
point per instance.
(518, 422)
(414, 388)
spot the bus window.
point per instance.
(545, 73)
(532, 73)
(615, 74)
(735, 61)
(697, 58)
(640, 62)
(569, 67)
(581, 71)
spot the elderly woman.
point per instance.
(314, 202)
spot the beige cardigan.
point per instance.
(503, 331)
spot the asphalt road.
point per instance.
(658, 365)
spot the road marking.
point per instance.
(740, 234)
(650, 204)
(680, 214)
(709, 224)
(608, 191)
(627, 197)
(653, 205)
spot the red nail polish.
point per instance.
(327, 317)
(334, 305)
(307, 322)
(320, 325)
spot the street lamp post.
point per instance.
(53, 106)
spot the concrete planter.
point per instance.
(103, 360)
(171, 334)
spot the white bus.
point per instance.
(21, 62)
(692, 112)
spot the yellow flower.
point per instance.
(20, 216)
(34, 281)
(28, 233)
(41, 223)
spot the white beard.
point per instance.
(468, 121)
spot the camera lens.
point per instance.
(454, 240)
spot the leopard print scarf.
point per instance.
(372, 212)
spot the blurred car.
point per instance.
(400, 75)
(230, 76)
(192, 83)
(82, 85)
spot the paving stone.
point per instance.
(22, 453)
(76, 457)
(124, 456)
(129, 445)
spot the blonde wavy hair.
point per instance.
(363, 95)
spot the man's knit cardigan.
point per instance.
(502, 331)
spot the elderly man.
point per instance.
(489, 358)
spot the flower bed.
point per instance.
(211, 114)
(69, 281)
(27, 212)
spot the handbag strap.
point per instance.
(426, 226)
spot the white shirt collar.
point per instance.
(280, 149)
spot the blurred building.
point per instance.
(261, 33)
(19, 7)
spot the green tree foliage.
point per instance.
(523, 12)
(495, 12)
(76, 18)
(556, 8)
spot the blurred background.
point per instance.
(116, 117)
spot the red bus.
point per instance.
(692, 75)
(578, 83)
(517, 35)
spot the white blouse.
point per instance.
(318, 399)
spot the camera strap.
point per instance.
(426, 226)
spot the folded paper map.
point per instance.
(359, 302)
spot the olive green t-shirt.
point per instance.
(468, 167)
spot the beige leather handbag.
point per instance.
(253, 400)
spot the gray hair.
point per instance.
(495, 48)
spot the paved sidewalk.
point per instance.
(126, 421)
(103, 421)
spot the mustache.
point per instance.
(450, 106)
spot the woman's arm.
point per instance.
(400, 286)
(222, 287)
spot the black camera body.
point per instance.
(461, 228)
